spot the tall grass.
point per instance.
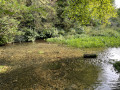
(89, 41)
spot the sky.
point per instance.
(117, 3)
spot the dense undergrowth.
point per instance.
(87, 42)
(29, 20)
(91, 37)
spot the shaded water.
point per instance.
(22, 67)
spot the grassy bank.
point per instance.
(88, 41)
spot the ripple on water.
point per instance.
(108, 76)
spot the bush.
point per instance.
(117, 66)
(45, 33)
(61, 32)
(8, 29)
(30, 34)
(99, 31)
(19, 38)
(3, 40)
(76, 30)
(52, 32)
(72, 31)
(79, 30)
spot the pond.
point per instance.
(44, 66)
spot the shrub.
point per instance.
(99, 31)
(72, 31)
(52, 32)
(79, 30)
(117, 66)
(3, 40)
(30, 34)
(45, 33)
(61, 32)
(8, 29)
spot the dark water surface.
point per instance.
(63, 74)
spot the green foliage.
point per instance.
(61, 32)
(86, 10)
(3, 40)
(62, 22)
(8, 29)
(118, 12)
(28, 20)
(72, 31)
(51, 32)
(30, 34)
(115, 22)
(117, 66)
(44, 33)
(87, 42)
(101, 31)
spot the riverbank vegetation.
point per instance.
(28, 20)
(117, 66)
(87, 42)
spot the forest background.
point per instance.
(59, 20)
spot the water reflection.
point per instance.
(108, 76)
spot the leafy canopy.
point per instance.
(86, 10)
(17, 7)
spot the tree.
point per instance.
(86, 10)
(34, 16)
(8, 29)
(118, 11)
(115, 21)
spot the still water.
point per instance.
(26, 69)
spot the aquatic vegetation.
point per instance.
(41, 52)
(74, 74)
(57, 68)
(117, 66)
(89, 41)
(3, 68)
